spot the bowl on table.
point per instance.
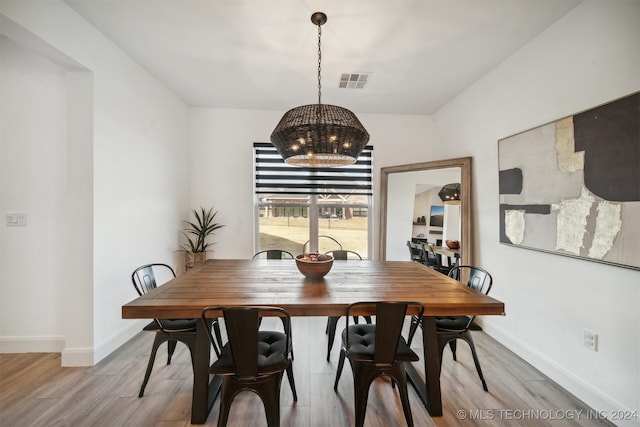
(453, 244)
(314, 266)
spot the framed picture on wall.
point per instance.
(436, 216)
(572, 187)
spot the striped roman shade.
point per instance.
(274, 176)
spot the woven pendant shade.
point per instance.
(450, 192)
(319, 135)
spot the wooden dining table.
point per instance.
(225, 282)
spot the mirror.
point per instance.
(407, 194)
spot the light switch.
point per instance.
(16, 219)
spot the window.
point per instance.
(319, 207)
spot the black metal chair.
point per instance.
(415, 251)
(451, 328)
(433, 260)
(273, 254)
(332, 321)
(344, 255)
(167, 330)
(376, 350)
(328, 240)
(251, 359)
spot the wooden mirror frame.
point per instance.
(464, 163)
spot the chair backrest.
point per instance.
(475, 277)
(415, 251)
(325, 243)
(431, 258)
(273, 254)
(344, 255)
(390, 316)
(144, 277)
(242, 324)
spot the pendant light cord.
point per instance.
(319, 65)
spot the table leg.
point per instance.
(204, 393)
(429, 390)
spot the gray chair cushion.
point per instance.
(362, 338)
(452, 323)
(271, 354)
(173, 325)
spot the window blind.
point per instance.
(274, 176)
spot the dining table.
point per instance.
(263, 282)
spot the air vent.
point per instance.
(353, 80)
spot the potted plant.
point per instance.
(196, 234)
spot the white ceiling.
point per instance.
(262, 54)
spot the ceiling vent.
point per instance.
(353, 80)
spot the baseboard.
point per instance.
(118, 339)
(81, 356)
(573, 384)
(32, 344)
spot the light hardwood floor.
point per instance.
(36, 391)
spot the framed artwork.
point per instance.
(436, 216)
(572, 187)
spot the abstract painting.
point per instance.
(572, 187)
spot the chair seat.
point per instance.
(272, 355)
(173, 325)
(362, 344)
(452, 323)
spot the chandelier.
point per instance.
(450, 192)
(319, 135)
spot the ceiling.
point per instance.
(261, 54)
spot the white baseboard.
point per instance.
(77, 357)
(577, 386)
(71, 356)
(32, 344)
(118, 339)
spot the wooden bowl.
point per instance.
(453, 244)
(312, 268)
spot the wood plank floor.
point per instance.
(36, 391)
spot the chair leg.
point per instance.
(452, 346)
(467, 337)
(363, 376)
(399, 375)
(159, 339)
(292, 382)
(226, 397)
(412, 328)
(339, 370)
(171, 347)
(271, 400)
(332, 323)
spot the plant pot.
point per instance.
(194, 259)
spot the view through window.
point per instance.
(293, 203)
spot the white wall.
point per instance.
(587, 58)
(33, 148)
(137, 175)
(222, 167)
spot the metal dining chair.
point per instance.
(332, 321)
(273, 254)
(377, 349)
(251, 359)
(449, 329)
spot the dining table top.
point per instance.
(232, 282)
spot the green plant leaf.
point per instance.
(203, 227)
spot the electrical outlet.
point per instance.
(590, 339)
(16, 219)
